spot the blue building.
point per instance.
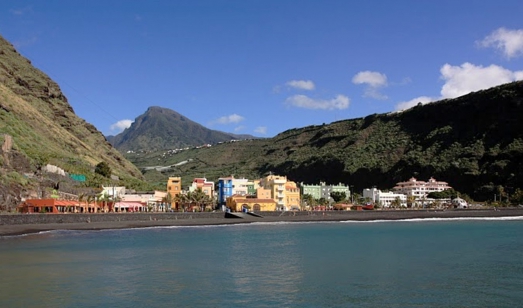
(225, 188)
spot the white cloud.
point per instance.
(261, 130)
(302, 101)
(374, 81)
(239, 128)
(466, 78)
(233, 118)
(461, 80)
(415, 101)
(121, 125)
(301, 84)
(510, 42)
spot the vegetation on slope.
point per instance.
(45, 129)
(474, 142)
(161, 128)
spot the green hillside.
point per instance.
(474, 142)
(44, 129)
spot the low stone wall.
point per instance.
(28, 219)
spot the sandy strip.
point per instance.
(7, 230)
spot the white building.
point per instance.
(385, 199)
(420, 189)
(114, 192)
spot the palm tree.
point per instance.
(90, 199)
(81, 198)
(180, 201)
(103, 197)
(308, 201)
(168, 199)
(411, 200)
(396, 203)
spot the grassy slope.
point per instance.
(43, 125)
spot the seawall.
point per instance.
(70, 218)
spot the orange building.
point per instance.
(55, 206)
(174, 188)
(237, 203)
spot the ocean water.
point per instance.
(427, 263)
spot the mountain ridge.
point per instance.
(161, 128)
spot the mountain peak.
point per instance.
(161, 128)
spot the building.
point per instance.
(54, 206)
(141, 202)
(230, 186)
(174, 188)
(239, 203)
(292, 200)
(324, 191)
(206, 186)
(224, 190)
(285, 193)
(420, 189)
(314, 190)
(385, 199)
(113, 192)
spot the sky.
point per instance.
(261, 67)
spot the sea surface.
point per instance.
(415, 263)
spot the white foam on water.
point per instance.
(435, 219)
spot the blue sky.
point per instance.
(262, 67)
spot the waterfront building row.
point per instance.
(269, 193)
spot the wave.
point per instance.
(436, 219)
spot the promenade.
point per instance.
(18, 224)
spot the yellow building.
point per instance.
(236, 203)
(292, 196)
(174, 188)
(285, 193)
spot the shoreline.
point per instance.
(200, 219)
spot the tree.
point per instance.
(517, 196)
(356, 198)
(81, 198)
(103, 197)
(308, 200)
(180, 201)
(167, 200)
(396, 203)
(411, 200)
(90, 199)
(322, 201)
(103, 169)
(338, 196)
(199, 198)
(445, 194)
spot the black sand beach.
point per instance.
(12, 225)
